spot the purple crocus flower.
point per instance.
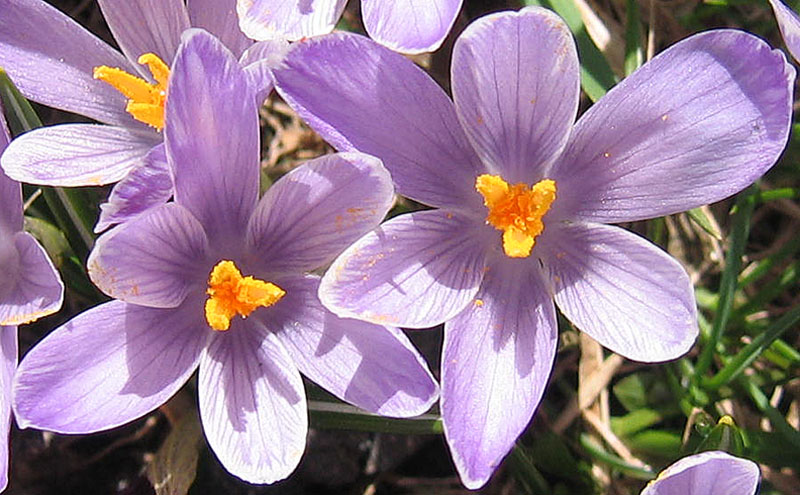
(789, 24)
(403, 25)
(707, 473)
(30, 288)
(181, 272)
(521, 196)
(71, 69)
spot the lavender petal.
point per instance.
(622, 290)
(252, 403)
(407, 27)
(107, 366)
(707, 473)
(277, 19)
(373, 367)
(497, 357)
(414, 271)
(317, 210)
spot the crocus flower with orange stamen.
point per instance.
(521, 194)
(218, 280)
(69, 68)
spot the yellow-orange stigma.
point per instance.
(230, 293)
(145, 100)
(516, 210)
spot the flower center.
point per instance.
(516, 210)
(145, 100)
(230, 293)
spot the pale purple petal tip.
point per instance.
(108, 366)
(373, 367)
(707, 473)
(32, 287)
(414, 271)
(408, 27)
(279, 19)
(146, 186)
(622, 290)
(252, 403)
(789, 24)
(496, 360)
(76, 154)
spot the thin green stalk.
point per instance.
(338, 416)
(779, 423)
(634, 55)
(751, 351)
(528, 472)
(733, 263)
(599, 454)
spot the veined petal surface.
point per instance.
(707, 473)
(69, 155)
(414, 271)
(108, 366)
(622, 290)
(279, 19)
(496, 360)
(252, 403)
(361, 96)
(789, 24)
(407, 26)
(35, 289)
(146, 186)
(8, 365)
(146, 26)
(315, 211)
(698, 123)
(373, 367)
(155, 260)
(219, 18)
(56, 69)
(516, 84)
(215, 176)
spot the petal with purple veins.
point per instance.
(146, 26)
(69, 52)
(76, 154)
(315, 211)
(32, 288)
(698, 123)
(210, 100)
(496, 360)
(406, 27)
(516, 85)
(146, 186)
(252, 403)
(373, 367)
(622, 290)
(414, 271)
(155, 260)
(107, 366)
(361, 96)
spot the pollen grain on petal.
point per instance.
(516, 210)
(231, 294)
